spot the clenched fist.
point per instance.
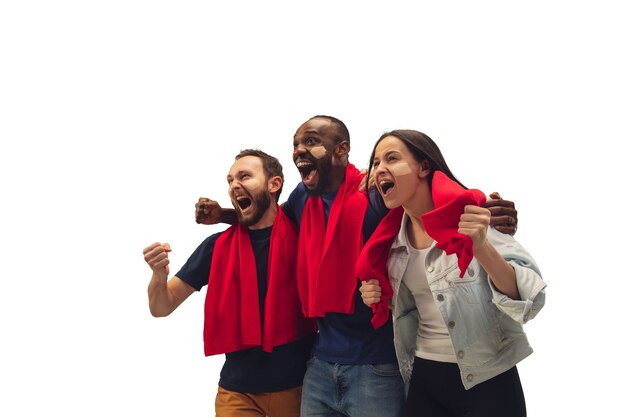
(208, 211)
(158, 260)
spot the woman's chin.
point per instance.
(390, 203)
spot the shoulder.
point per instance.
(499, 239)
(298, 193)
(195, 271)
(294, 205)
(511, 249)
(212, 239)
(207, 245)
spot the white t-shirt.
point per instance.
(433, 340)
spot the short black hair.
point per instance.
(342, 131)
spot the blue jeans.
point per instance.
(335, 390)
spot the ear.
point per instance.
(424, 170)
(342, 149)
(274, 184)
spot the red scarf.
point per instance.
(327, 253)
(441, 223)
(372, 263)
(232, 319)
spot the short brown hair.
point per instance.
(271, 165)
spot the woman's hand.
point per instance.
(370, 292)
(474, 223)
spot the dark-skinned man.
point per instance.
(352, 362)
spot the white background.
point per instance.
(116, 116)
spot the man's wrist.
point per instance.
(228, 216)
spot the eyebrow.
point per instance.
(310, 132)
(239, 173)
(386, 153)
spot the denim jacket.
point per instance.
(485, 325)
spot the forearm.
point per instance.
(160, 299)
(502, 274)
(228, 216)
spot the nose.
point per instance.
(380, 172)
(379, 169)
(298, 150)
(234, 185)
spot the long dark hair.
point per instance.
(423, 148)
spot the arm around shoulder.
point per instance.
(210, 212)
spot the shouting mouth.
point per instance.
(308, 172)
(244, 203)
(386, 187)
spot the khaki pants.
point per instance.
(271, 404)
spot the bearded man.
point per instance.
(252, 309)
(353, 362)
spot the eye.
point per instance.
(309, 141)
(244, 176)
(375, 164)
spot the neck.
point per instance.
(268, 218)
(337, 177)
(414, 209)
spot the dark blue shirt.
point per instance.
(349, 339)
(252, 370)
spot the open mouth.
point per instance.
(308, 172)
(244, 203)
(385, 187)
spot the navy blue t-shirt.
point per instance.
(349, 339)
(252, 370)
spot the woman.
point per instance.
(457, 319)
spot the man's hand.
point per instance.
(164, 296)
(362, 185)
(503, 214)
(158, 260)
(208, 211)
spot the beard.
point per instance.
(319, 187)
(261, 202)
(324, 172)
